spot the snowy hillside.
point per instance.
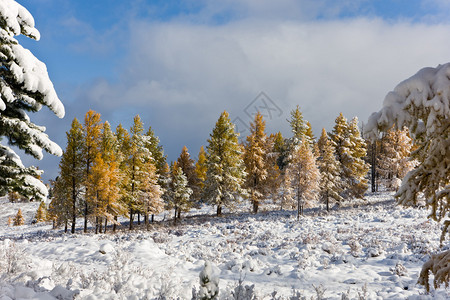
(374, 251)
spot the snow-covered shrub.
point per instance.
(13, 259)
(355, 248)
(399, 269)
(439, 265)
(209, 283)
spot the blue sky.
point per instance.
(179, 64)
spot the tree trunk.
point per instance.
(328, 201)
(100, 229)
(179, 214)
(374, 165)
(255, 206)
(106, 224)
(139, 218)
(85, 216)
(65, 226)
(131, 219)
(146, 219)
(219, 210)
(96, 225)
(153, 218)
(74, 203)
(114, 225)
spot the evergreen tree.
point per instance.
(281, 149)
(150, 193)
(91, 133)
(225, 174)
(24, 87)
(304, 176)
(200, 167)
(256, 161)
(123, 149)
(19, 219)
(298, 126)
(41, 213)
(187, 164)
(71, 171)
(58, 210)
(329, 171)
(273, 180)
(310, 135)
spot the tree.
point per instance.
(58, 210)
(225, 174)
(71, 171)
(24, 87)
(304, 176)
(41, 213)
(358, 167)
(421, 103)
(19, 219)
(178, 192)
(298, 126)
(209, 283)
(187, 164)
(91, 134)
(310, 135)
(256, 161)
(200, 167)
(394, 161)
(350, 151)
(156, 150)
(329, 171)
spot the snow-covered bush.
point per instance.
(439, 265)
(209, 283)
(13, 259)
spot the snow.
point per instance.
(377, 248)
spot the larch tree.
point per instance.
(298, 125)
(41, 213)
(18, 218)
(187, 164)
(123, 149)
(225, 173)
(310, 135)
(58, 210)
(304, 176)
(421, 103)
(200, 167)
(273, 180)
(357, 165)
(91, 134)
(394, 161)
(179, 192)
(350, 151)
(152, 143)
(256, 162)
(71, 173)
(24, 87)
(329, 171)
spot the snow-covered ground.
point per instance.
(374, 251)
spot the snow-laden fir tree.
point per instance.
(304, 176)
(422, 104)
(209, 283)
(24, 87)
(71, 172)
(225, 173)
(393, 159)
(329, 171)
(187, 164)
(178, 192)
(256, 162)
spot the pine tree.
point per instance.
(329, 171)
(281, 149)
(225, 174)
(310, 135)
(256, 161)
(41, 213)
(304, 176)
(187, 164)
(91, 134)
(19, 219)
(71, 171)
(200, 167)
(24, 87)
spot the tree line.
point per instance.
(106, 174)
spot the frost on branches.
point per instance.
(24, 87)
(422, 104)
